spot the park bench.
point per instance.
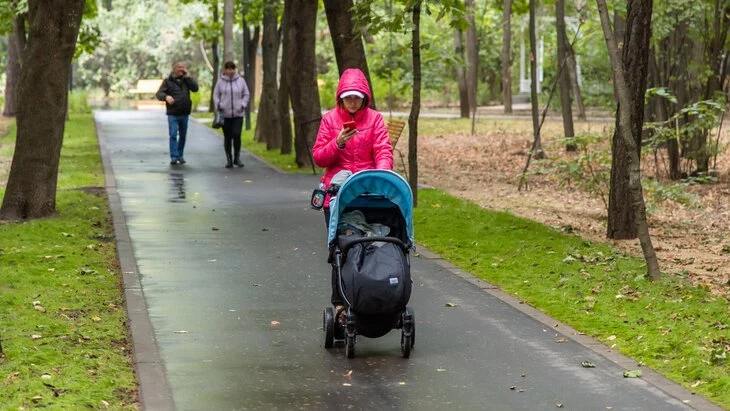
(395, 129)
(147, 87)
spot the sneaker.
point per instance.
(174, 162)
(182, 160)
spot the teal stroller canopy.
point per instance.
(372, 188)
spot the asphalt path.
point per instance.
(226, 277)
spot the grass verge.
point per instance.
(63, 322)
(671, 326)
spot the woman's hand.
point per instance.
(345, 136)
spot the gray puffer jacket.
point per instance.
(231, 95)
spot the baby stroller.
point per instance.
(370, 236)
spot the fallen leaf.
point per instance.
(275, 323)
(346, 384)
(348, 373)
(181, 332)
(36, 337)
(96, 319)
(215, 228)
(561, 340)
(611, 337)
(440, 369)
(452, 305)
(559, 405)
(632, 373)
(587, 364)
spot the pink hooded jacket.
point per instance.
(368, 149)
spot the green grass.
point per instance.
(63, 327)
(677, 329)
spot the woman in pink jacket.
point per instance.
(366, 146)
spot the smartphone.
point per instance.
(349, 125)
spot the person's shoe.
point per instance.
(182, 160)
(229, 161)
(238, 162)
(174, 162)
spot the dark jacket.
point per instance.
(179, 88)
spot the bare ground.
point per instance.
(691, 242)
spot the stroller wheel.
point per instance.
(408, 333)
(350, 346)
(329, 327)
(406, 342)
(410, 318)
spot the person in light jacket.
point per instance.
(231, 97)
(367, 146)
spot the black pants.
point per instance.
(336, 299)
(232, 135)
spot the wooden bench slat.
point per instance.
(395, 129)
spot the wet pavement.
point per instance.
(226, 277)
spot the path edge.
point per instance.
(154, 389)
(690, 399)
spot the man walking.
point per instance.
(175, 92)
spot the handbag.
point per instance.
(218, 119)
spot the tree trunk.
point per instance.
(415, 104)
(42, 98)
(461, 74)
(251, 43)
(284, 116)
(537, 143)
(714, 56)
(228, 30)
(630, 84)
(346, 40)
(507, 57)
(472, 56)
(216, 61)
(572, 67)
(302, 77)
(622, 224)
(12, 72)
(564, 80)
(267, 123)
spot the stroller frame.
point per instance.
(394, 205)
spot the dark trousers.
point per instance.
(336, 299)
(232, 135)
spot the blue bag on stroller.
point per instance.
(370, 236)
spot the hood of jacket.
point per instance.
(228, 78)
(354, 79)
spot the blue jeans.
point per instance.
(178, 125)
